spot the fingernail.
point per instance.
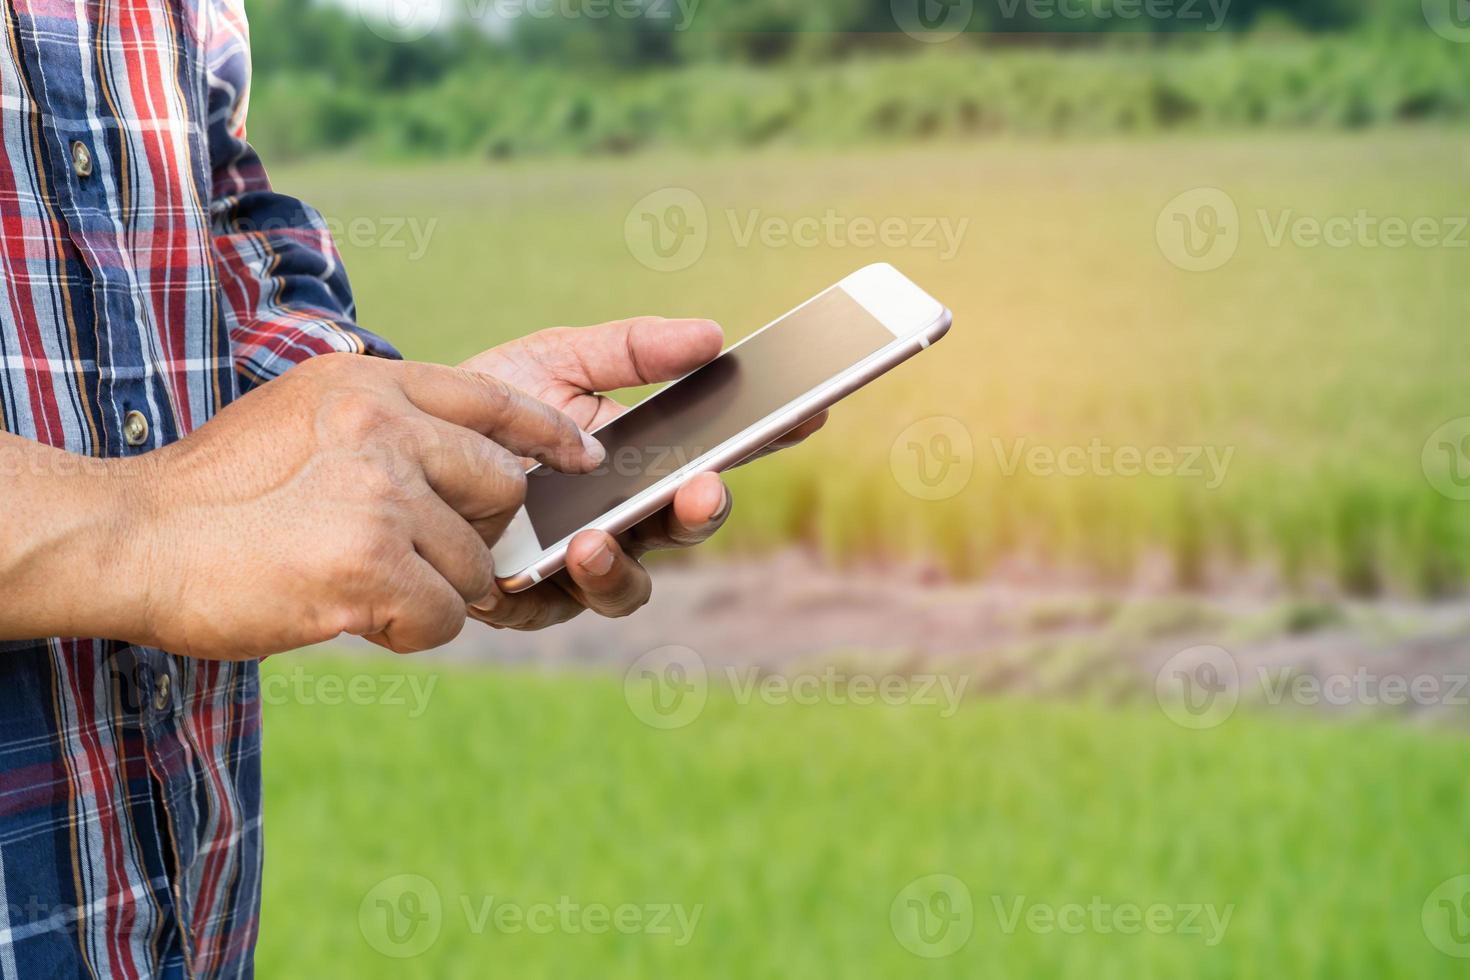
(594, 448)
(600, 562)
(724, 510)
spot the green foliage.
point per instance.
(329, 36)
(794, 828)
(506, 109)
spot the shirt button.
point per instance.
(160, 693)
(81, 159)
(135, 428)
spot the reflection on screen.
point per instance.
(714, 404)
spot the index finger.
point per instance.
(524, 425)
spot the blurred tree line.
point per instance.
(333, 37)
(558, 78)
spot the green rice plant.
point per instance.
(796, 830)
(1304, 381)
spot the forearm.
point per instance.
(72, 544)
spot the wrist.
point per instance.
(127, 542)
(95, 555)
(68, 554)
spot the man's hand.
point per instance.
(351, 495)
(568, 369)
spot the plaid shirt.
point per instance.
(148, 275)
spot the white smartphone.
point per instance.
(719, 414)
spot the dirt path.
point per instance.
(1027, 638)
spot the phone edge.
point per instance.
(864, 373)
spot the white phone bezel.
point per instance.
(914, 318)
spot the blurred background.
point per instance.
(1122, 635)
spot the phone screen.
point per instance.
(708, 408)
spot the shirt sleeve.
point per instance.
(283, 291)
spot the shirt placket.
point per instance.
(129, 405)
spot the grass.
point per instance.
(795, 828)
(1321, 370)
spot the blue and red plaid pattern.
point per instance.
(145, 266)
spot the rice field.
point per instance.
(1264, 397)
(426, 821)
